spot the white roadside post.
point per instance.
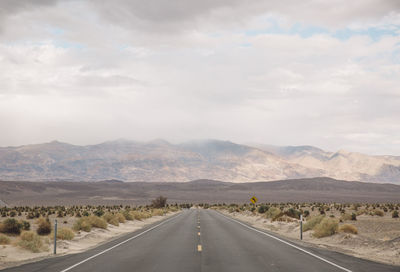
(55, 236)
(301, 227)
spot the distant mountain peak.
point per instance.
(211, 159)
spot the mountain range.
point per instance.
(161, 161)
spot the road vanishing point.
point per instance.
(203, 240)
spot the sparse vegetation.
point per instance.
(159, 202)
(347, 228)
(31, 241)
(111, 219)
(65, 234)
(326, 227)
(273, 213)
(395, 214)
(82, 224)
(378, 213)
(312, 222)
(11, 226)
(4, 240)
(44, 226)
(96, 222)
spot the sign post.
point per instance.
(55, 236)
(301, 227)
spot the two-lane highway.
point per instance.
(203, 240)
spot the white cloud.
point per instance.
(84, 73)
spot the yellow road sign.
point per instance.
(254, 200)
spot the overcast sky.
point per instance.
(322, 73)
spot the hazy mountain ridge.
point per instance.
(159, 160)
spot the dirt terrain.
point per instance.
(113, 192)
(377, 238)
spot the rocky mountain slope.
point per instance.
(211, 159)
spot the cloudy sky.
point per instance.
(323, 73)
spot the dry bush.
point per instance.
(138, 215)
(82, 224)
(345, 217)
(65, 234)
(120, 217)
(11, 226)
(111, 219)
(347, 228)
(25, 225)
(378, 213)
(127, 214)
(44, 226)
(159, 202)
(157, 212)
(273, 213)
(363, 211)
(31, 241)
(326, 227)
(4, 240)
(312, 222)
(97, 222)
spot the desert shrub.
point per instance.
(30, 241)
(159, 202)
(111, 219)
(272, 213)
(82, 224)
(25, 225)
(345, 217)
(157, 212)
(4, 240)
(262, 209)
(128, 216)
(326, 227)
(353, 217)
(347, 228)
(293, 213)
(11, 226)
(65, 234)
(138, 215)
(97, 222)
(44, 226)
(312, 222)
(120, 217)
(306, 213)
(395, 214)
(379, 213)
(98, 212)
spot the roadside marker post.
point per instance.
(55, 236)
(301, 227)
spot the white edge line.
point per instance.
(117, 245)
(287, 243)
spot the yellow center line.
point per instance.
(198, 233)
(199, 248)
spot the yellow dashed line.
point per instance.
(199, 248)
(198, 233)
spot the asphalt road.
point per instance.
(203, 240)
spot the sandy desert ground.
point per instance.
(12, 255)
(378, 237)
